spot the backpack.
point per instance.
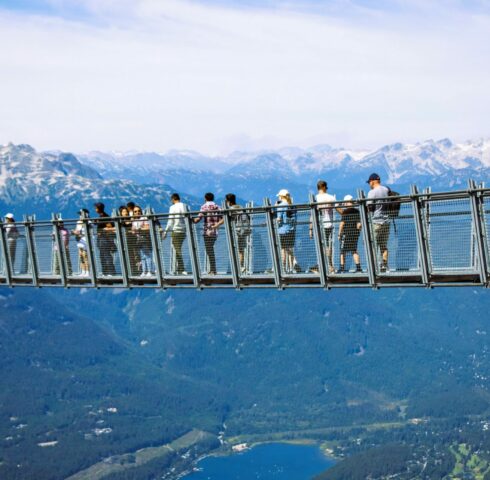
(392, 206)
(242, 223)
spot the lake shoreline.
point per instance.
(227, 452)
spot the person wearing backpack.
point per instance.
(286, 228)
(242, 227)
(380, 217)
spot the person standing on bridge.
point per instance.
(379, 217)
(349, 231)
(326, 218)
(209, 212)
(286, 228)
(12, 234)
(80, 233)
(176, 227)
(105, 240)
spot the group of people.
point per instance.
(135, 228)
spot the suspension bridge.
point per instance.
(436, 239)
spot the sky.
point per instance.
(221, 75)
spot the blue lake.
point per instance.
(268, 461)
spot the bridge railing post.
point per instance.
(31, 250)
(276, 261)
(479, 230)
(192, 242)
(421, 233)
(60, 260)
(157, 257)
(232, 246)
(317, 238)
(121, 249)
(367, 238)
(7, 265)
(87, 226)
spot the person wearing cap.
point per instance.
(105, 240)
(379, 217)
(80, 233)
(349, 231)
(286, 228)
(326, 218)
(12, 234)
(176, 227)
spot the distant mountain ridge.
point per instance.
(441, 164)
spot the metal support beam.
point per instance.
(367, 237)
(28, 226)
(122, 251)
(6, 255)
(191, 235)
(276, 261)
(421, 235)
(479, 229)
(156, 249)
(232, 247)
(317, 238)
(56, 218)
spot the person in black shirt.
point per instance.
(105, 240)
(349, 231)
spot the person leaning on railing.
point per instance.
(176, 227)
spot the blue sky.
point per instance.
(216, 75)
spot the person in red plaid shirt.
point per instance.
(209, 211)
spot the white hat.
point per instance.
(348, 198)
(9, 215)
(283, 193)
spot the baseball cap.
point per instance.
(283, 192)
(348, 198)
(373, 176)
(9, 215)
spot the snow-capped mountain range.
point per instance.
(440, 164)
(43, 182)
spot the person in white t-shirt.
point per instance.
(326, 219)
(176, 227)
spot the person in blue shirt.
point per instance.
(286, 228)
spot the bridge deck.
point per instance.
(437, 239)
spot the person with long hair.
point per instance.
(286, 228)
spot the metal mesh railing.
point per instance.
(451, 235)
(432, 236)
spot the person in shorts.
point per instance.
(379, 217)
(349, 231)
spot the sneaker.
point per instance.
(382, 268)
(358, 269)
(340, 270)
(297, 268)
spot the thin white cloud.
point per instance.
(155, 75)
